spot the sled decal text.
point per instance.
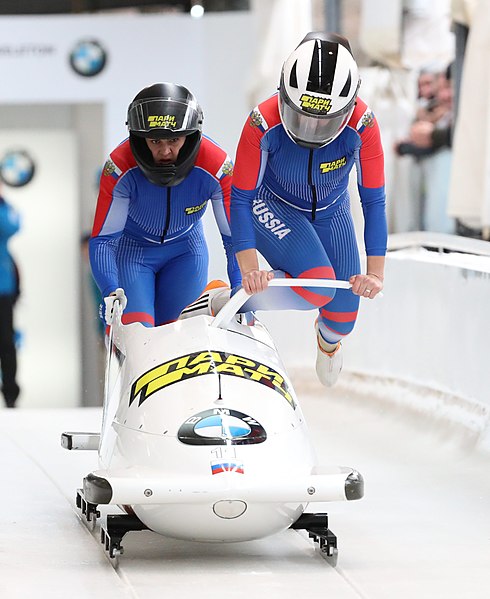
(207, 362)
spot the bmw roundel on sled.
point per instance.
(203, 438)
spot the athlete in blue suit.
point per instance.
(148, 235)
(289, 196)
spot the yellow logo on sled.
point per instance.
(200, 363)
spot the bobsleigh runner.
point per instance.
(203, 438)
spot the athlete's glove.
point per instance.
(107, 308)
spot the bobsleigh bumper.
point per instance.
(102, 488)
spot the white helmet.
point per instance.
(318, 89)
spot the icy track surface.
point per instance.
(422, 529)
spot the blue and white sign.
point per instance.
(17, 168)
(88, 58)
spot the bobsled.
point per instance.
(203, 437)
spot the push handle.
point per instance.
(224, 316)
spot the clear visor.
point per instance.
(313, 131)
(163, 117)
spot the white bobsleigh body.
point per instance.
(203, 437)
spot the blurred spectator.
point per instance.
(426, 92)
(9, 293)
(429, 143)
(431, 129)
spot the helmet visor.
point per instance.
(161, 117)
(313, 131)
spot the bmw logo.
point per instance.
(88, 58)
(17, 168)
(221, 426)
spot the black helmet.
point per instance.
(165, 111)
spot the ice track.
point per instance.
(422, 529)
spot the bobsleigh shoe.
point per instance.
(328, 363)
(210, 302)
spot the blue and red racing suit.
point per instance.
(149, 240)
(291, 203)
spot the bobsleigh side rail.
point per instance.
(108, 488)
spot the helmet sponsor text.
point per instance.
(167, 121)
(315, 103)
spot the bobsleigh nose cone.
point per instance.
(229, 508)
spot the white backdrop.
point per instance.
(47, 251)
(213, 56)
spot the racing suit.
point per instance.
(149, 240)
(292, 204)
